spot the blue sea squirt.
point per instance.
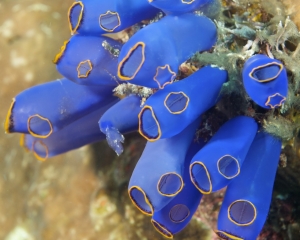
(177, 165)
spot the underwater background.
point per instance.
(83, 194)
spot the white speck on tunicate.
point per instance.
(216, 66)
(114, 139)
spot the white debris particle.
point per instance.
(16, 8)
(6, 28)
(30, 33)
(28, 77)
(114, 139)
(17, 61)
(47, 30)
(19, 233)
(7, 80)
(38, 7)
(56, 15)
(11, 175)
(216, 66)
(128, 88)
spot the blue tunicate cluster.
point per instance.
(174, 169)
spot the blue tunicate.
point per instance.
(157, 177)
(90, 17)
(220, 160)
(77, 134)
(181, 6)
(265, 80)
(85, 60)
(175, 216)
(151, 61)
(49, 107)
(170, 110)
(120, 118)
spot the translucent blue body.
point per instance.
(153, 61)
(77, 134)
(265, 80)
(86, 61)
(157, 177)
(97, 17)
(220, 160)
(172, 218)
(170, 110)
(247, 200)
(49, 107)
(120, 119)
(179, 6)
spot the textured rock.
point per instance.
(293, 10)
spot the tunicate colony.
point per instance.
(175, 169)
